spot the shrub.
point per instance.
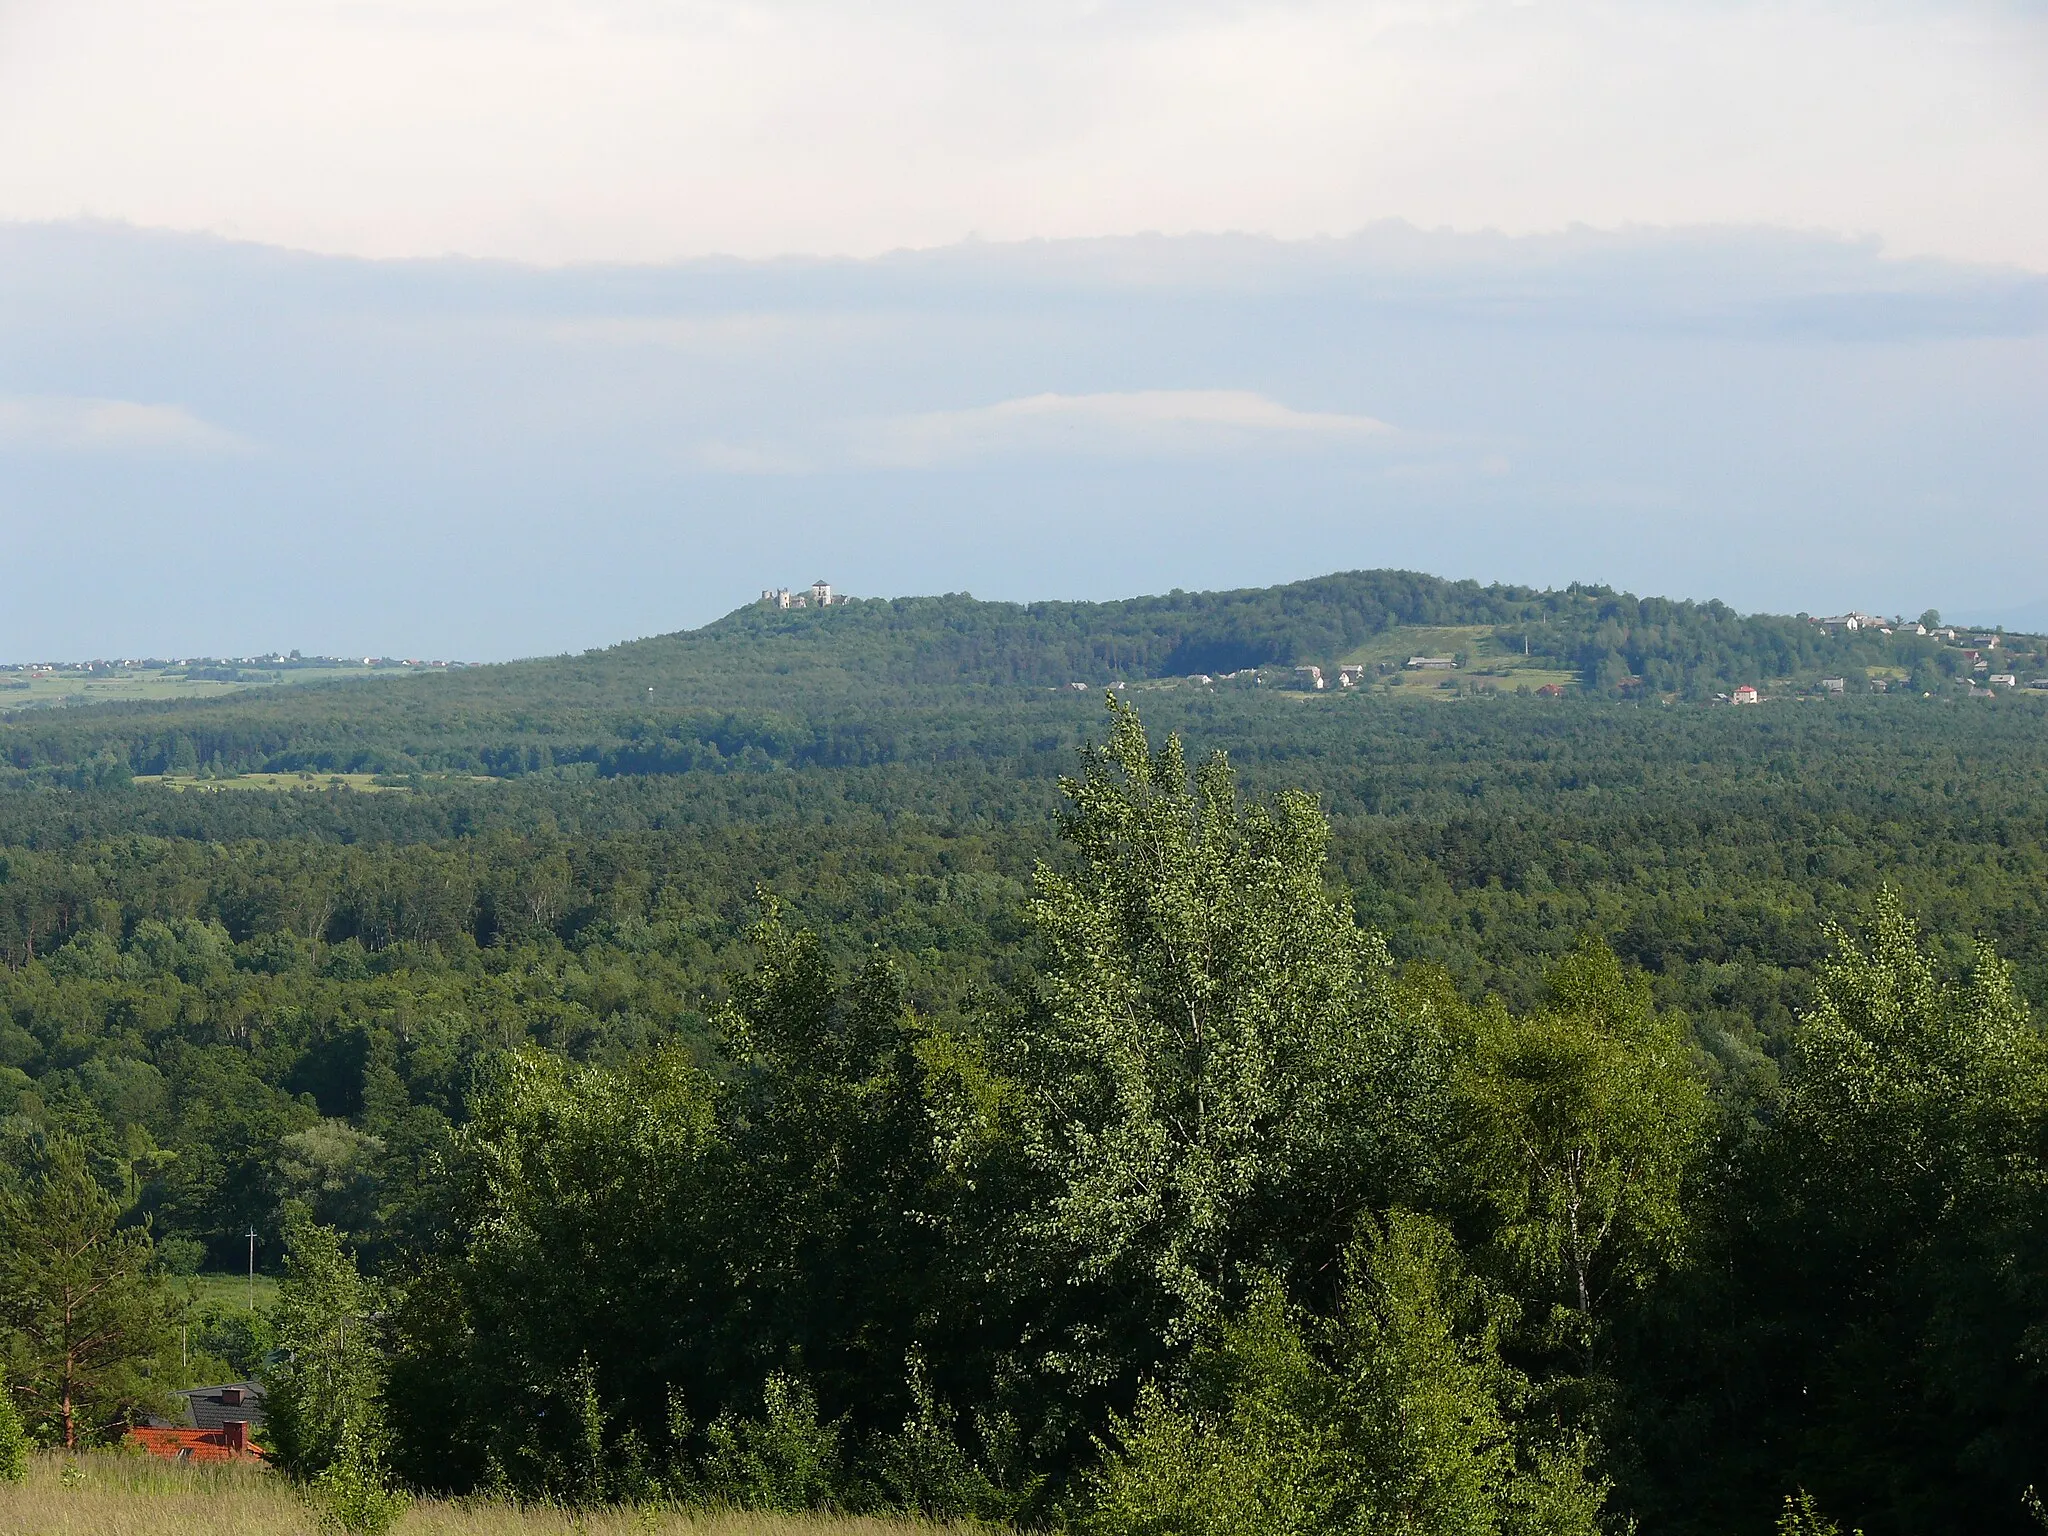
(13, 1441)
(785, 1460)
(353, 1494)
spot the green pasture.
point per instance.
(230, 1290)
(362, 783)
(114, 685)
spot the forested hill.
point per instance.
(1609, 638)
(883, 680)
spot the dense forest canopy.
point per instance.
(770, 975)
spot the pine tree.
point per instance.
(83, 1299)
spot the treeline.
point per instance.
(918, 680)
(1205, 1217)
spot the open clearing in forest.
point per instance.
(227, 1290)
(116, 1493)
(364, 783)
(118, 684)
(1490, 663)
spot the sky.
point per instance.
(480, 328)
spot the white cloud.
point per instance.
(562, 130)
(1146, 423)
(71, 424)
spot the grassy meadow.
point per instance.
(1491, 663)
(228, 1290)
(118, 684)
(114, 1493)
(362, 783)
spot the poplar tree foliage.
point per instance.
(1879, 1241)
(84, 1311)
(1396, 1415)
(1911, 1161)
(324, 1382)
(1217, 1081)
(13, 1441)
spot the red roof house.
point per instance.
(216, 1428)
(230, 1442)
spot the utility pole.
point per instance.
(252, 1269)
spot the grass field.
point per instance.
(111, 1493)
(228, 1290)
(363, 783)
(106, 685)
(1490, 664)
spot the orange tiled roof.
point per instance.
(192, 1445)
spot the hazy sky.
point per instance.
(404, 327)
(642, 130)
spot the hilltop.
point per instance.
(878, 680)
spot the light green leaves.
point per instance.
(1581, 1122)
(1208, 1034)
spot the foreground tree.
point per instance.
(1580, 1123)
(583, 1283)
(1217, 1082)
(1394, 1416)
(86, 1312)
(324, 1382)
(1866, 1317)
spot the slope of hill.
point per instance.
(884, 680)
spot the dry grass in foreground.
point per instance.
(115, 1494)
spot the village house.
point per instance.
(1432, 663)
(1309, 677)
(1747, 694)
(216, 1424)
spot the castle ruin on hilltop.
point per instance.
(819, 596)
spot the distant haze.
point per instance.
(643, 130)
(211, 447)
